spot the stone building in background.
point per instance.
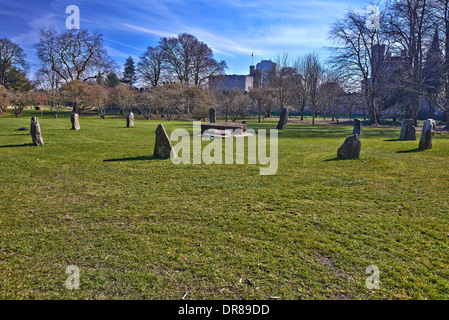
(258, 77)
(231, 82)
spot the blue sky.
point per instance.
(232, 28)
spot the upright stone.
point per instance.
(75, 118)
(408, 131)
(357, 126)
(35, 132)
(130, 120)
(427, 134)
(283, 119)
(212, 115)
(350, 148)
(163, 146)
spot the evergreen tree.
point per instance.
(129, 75)
(112, 80)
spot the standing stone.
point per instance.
(427, 134)
(357, 126)
(35, 132)
(163, 146)
(130, 120)
(75, 118)
(350, 148)
(408, 131)
(212, 115)
(283, 119)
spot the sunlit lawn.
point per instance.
(140, 228)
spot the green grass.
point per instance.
(140, 228)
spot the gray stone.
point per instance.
(350, 148)
(212, 115)
(357, 126)
(35, 132)
(75, 118)
(224, 126)
(163, 146)
(427, 134)
(408, 131)
(283, 119)
(130, 120)
(21, 129)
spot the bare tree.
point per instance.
(190, 60)
(50, 82)
(12, 57)
(170, 99)
(226, 100)
(198, 102)
(299, 94)
(98, 97)
(442, 16)
(75, 94)
(357, 57)
(151, 66)
(262, 98)
(239, 107)
(330, 95)
(146, 103)
(409, 22)
(204, 64)
(73, 54)
(282, 80)
(20, 100)
(123, 97)
(314, 76)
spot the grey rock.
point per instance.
(21, 129)
(357, 126)
(408, 131)
(224, 126)
(283, 119)
(75, 118)
(35, 132)
(427, 134)
(130, 120)
(350, 148)
(212, 115)
(163, 146)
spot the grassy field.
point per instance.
(140, 228)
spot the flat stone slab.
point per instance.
(225, 135)
(224, 126)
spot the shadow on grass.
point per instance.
(393, 140)
(141, 158)
(17, 145)
(411, 151)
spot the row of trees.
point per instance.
(411, 27)
(74, 60)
